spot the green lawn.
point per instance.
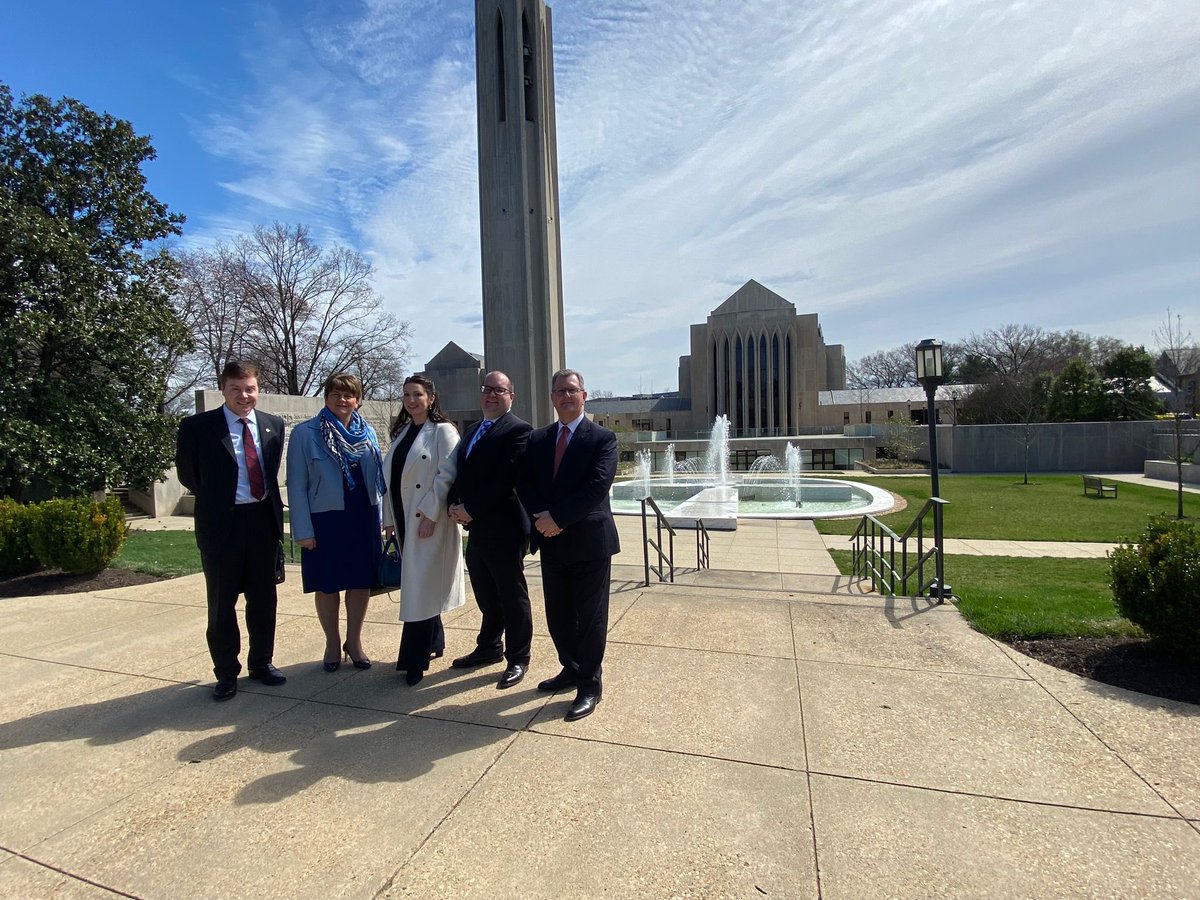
(167, 553)
(1013, 598)
(1049, 508)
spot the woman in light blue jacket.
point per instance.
(335, 487)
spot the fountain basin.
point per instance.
(761, 497)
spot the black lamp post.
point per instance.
(930, 374)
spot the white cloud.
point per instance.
(901, 168)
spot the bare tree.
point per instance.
(301, 311)
(209, 299)
(1178, 365)
(896, 367)
(1012, 351)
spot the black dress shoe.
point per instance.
(584, 705)
(269, 675)
(477, 658)
(513, 674)
(225, 689)
(563, 679)
(363, 663)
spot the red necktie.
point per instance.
(564, 433)
(258, 487)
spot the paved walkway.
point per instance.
(767, 730)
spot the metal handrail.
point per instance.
(702, 561)
(873, 554)
(660, 522)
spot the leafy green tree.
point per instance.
(85, 320)
(1076, 394)
(1130, 396)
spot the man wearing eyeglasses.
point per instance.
(483, 500)
(563, 482)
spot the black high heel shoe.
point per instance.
(363, 663)
(331, 665)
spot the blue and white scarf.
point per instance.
(349, 444)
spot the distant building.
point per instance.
(457, 376)
(755, 360)
(761, 364)
(1179, 369)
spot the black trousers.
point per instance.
(577, 615)
(418, 642)
(242, 563)
(498, 582)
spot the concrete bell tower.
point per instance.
(518, 199)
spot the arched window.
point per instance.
(712, 377)
(739, 418)
(501, 81)
(727, 407)
(779, 423)
(751, 388)
(763, 363)
(792, 423)
(527, 57)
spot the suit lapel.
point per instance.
(268, 436)
(220, 431)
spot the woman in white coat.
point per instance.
(419, 468)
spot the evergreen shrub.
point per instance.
(1156, 583)
(16, 555)
(78, 535)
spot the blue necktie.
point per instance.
(479, 432)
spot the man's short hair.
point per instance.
(237, 369)
(567, 373)
(503, 375)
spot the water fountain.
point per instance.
(668, 468)
(706, 489)
(643, 471)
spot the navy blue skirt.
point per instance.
(348, 544)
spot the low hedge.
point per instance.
(77, 535)
(16, 555)
(1156, 583)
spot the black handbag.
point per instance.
(387, 573)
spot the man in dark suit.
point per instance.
(563, 482)
(229, 458)
(483, 500)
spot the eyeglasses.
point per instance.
(566, 392)
(338, 395)
(498, 391)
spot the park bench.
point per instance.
(1099, 485)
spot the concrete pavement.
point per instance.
(767, 730)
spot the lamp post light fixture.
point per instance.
(930, 374)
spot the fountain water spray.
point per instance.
(717, 461)
(795, 466)
(643, 469)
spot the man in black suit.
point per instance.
(564, 480)
(229, 458)
(483, 500)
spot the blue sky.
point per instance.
(904, 169)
